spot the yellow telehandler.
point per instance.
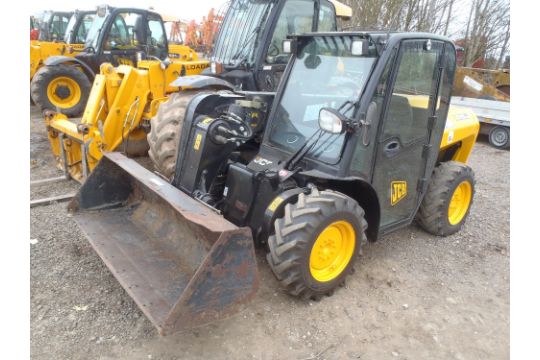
(62, 74)
(356, 142)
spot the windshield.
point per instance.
(324, 74)
(240, 31)
(93, 32)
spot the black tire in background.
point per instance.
(295, 235)
(433, 215)
(46, 75)
(164, 135)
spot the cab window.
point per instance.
(327, 19)
(407, 114)
(58, 27)
(82, 31)
(155, 38)
(125, 33)
(296, 18)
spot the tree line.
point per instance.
(480, 27)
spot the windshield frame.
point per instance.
(71, 27)
(273, 117)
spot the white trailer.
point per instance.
(494, 117)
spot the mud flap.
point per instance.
(182, 263)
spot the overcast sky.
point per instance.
(194, 9)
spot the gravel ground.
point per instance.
(414, 296)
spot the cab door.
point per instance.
(405, 141)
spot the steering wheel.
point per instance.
(292, 138)
(273, 50)
(345, 84)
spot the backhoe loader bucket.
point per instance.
(182, 262)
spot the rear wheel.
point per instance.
(60, 88)
(448, 199)
(316, 242)
(499, 137)
(165, 128)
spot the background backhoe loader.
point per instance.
(117, 36)
(357, 142)
(119, 112)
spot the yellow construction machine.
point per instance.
(482, 83)
(69, 43)
(64, 72)
(357, 141)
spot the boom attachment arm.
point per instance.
(120, 105)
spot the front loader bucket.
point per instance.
(182, 262)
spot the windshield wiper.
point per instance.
(299, 154)
(245, 45)
(317, 151)
(253, 36)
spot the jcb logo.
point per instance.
(398, 191)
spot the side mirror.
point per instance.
(331, 121)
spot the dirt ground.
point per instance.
(413, 296)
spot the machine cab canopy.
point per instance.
(127, 29)
(399, 80)
(251, 24)
(328, 71)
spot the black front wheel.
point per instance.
(316, 243)
(165, 129)
(448, 199)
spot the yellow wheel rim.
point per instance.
(64, 92)
(460, 202)
(332, 251)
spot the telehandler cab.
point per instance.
(117, 36)
(119, 112)
(356, 142)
